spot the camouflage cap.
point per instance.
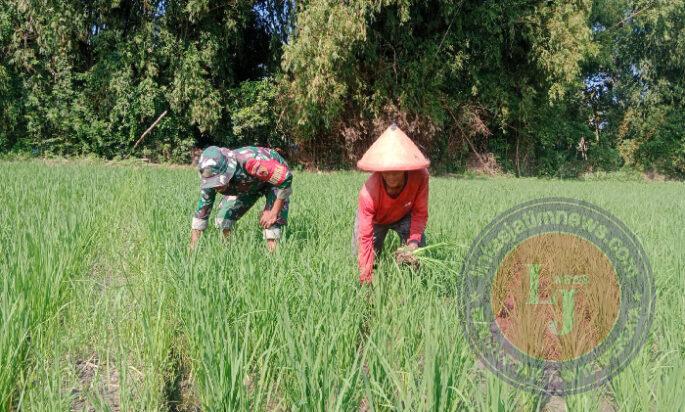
(216, 169)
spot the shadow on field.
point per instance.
(98, 386)
(178, 389)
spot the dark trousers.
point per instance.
(401, 227)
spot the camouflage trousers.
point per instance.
(233, 207)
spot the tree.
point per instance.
(494, 72)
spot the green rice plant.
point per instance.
(95, 269)
(43, 249)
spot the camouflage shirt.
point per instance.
(254, 170)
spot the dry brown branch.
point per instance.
(152, 126)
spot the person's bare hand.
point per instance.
(268, 219)
(405, 255)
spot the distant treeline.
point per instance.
(554, 87)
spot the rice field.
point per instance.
(102, 307)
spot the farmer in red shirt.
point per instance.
(394, 197)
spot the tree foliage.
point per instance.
(554, 87)
(90, 77)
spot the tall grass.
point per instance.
(95, 266)
(47, 233)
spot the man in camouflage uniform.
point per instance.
(242, 176)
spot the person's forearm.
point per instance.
(278, 205)
(365, 253)
(417, 226)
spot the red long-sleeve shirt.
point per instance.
(376, 207)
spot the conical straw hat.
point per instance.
(393, 151)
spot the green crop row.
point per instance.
(103, 307)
